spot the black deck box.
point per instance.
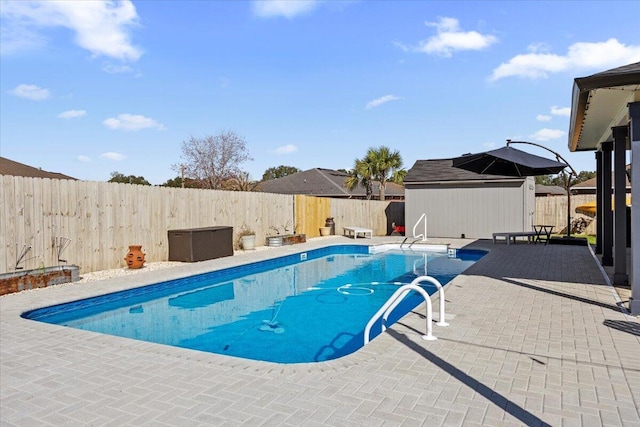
(199, 244)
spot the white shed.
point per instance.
(461, 203)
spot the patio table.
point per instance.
(543, 233)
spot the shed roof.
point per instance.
(442, 170)
(10, 167)
(324, 183)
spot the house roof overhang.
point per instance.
(600, 102)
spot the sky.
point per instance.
(89, 88)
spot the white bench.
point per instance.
(512, 235)
(355, 231)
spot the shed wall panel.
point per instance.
(474, 209)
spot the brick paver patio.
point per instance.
(536, 337)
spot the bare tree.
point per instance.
(213, 159)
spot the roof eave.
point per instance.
(578, 107)
(607, 94)
(467, 181)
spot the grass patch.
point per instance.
(591, 238)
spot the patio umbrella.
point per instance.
(508, 161)
(589, 208)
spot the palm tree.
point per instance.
(360, 174)
(385, 165)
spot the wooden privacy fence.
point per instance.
(552, 210)
(102, 219)
(312, 213)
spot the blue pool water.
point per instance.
(306, 307)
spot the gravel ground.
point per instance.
(148, 266)
(125, 271)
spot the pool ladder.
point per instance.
(422, 237)
(397, 298)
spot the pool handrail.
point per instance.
(399, 295)
(423, 235)
(416, 281)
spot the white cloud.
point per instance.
(548, 134)
(72, 114)
(561, 111)
(110, 68)
(110, 155)
(450, 38)
(543, 118)
(83, 159)
(101, 27)
(16, 39)
(32, 92)
(286, 149)
(379, 101)
(132, 122)
(579, 56)
(287, 8)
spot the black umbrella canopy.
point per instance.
(508, 161)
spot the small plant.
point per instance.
(244, 232)
(276, 230)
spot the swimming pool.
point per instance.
(305, 307)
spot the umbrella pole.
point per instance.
(568, 212)
(567, 184)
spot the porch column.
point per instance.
(599, 221)
(620, 134)
(607, 215)
(634, 115)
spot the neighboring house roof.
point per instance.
(324, 183)
(591, 184)
(442, 170)
(10, 167)
(550, 190)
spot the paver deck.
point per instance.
(536, 337)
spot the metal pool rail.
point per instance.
(397, 298)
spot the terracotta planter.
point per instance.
(135, 257)
(332, 226)
(325, 231)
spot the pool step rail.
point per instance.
(423, 235)
(397, 298)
